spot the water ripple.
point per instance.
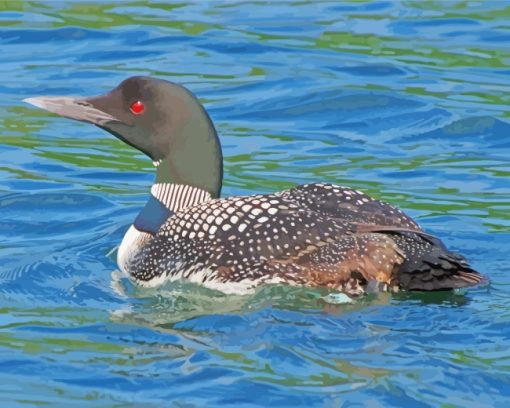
(407, 101)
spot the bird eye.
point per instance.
(137, 107)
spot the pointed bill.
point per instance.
(72, 108)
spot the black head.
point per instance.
(162, 119)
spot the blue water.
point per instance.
(406, 101)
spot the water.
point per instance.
(406, 101)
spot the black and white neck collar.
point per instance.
(165, 200)
(177, 197)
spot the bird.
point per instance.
(317, 235)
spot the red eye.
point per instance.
(137, 107)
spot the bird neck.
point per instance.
(193, 174)
(194, 157)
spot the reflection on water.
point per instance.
(406, 101)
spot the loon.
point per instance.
(316, 235)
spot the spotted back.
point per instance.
(234, 236)
(350, 205)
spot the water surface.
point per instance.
(406, 101)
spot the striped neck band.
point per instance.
(176, 197)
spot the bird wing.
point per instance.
(350, 205)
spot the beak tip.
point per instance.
(34, 101)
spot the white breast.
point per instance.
(132, 242)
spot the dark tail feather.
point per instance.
(471, 278)
(437, 269)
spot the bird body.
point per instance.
(316, 235)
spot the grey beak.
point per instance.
(72, 108)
